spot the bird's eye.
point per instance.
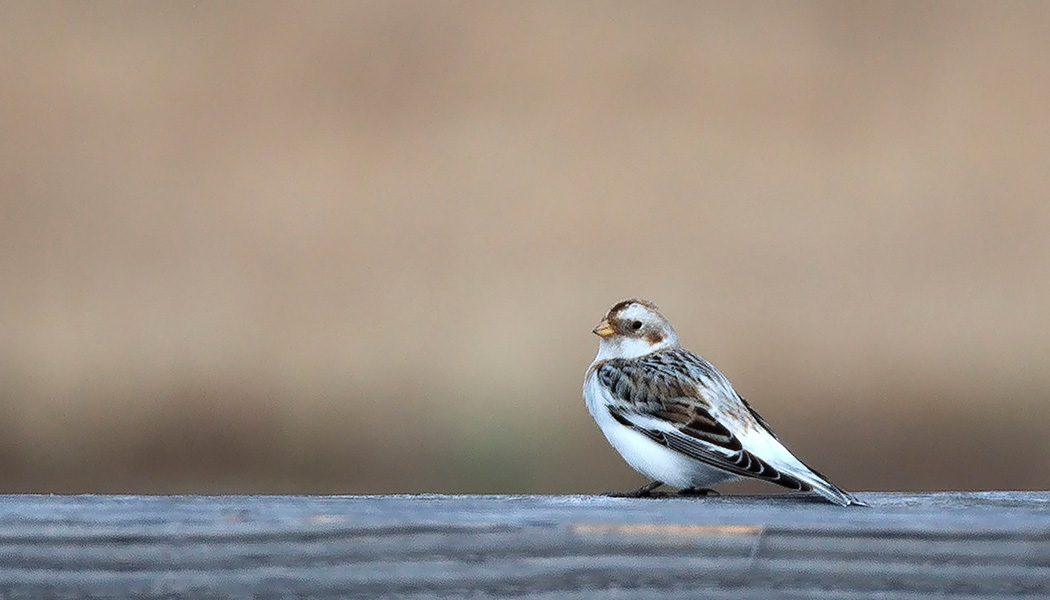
(636, 325)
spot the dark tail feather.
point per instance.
(836, 494)
(821, 485)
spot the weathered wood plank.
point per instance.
(972, 545)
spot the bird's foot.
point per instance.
(693, 492)
(646, 491)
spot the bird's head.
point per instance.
(633, 328)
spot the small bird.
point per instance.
(676, 419)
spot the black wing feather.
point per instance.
(737, 461)
(653, 386)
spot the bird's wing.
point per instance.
(663, 402)
(660, 395)
(711, 447)
(758, 418)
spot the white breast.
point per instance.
(649, 458)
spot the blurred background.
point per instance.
(358, 247)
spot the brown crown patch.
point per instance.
(625, 303)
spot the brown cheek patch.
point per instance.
(654, 338)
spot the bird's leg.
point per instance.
(696, 492)
(643, 492)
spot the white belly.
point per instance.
(649, 458)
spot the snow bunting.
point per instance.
(676, 419)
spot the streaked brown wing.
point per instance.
(758, 418)
(705, 447)
(651, 389)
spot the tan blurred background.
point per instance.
(359, 247)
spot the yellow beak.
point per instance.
(604, 329)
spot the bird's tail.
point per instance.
(823, 486)
(834, 493)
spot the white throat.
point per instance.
(618, 346)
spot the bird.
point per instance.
(676, 419)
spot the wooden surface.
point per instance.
(966, 545)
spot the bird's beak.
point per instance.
(604, 329)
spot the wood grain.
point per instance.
(967, 545)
